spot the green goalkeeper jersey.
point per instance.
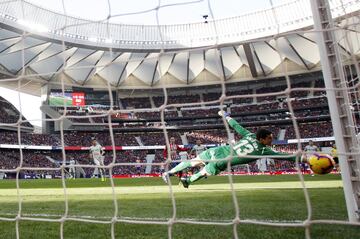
(248, 145)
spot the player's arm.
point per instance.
(234, 124)
(102, 151)
(181, 148)
(274, 154)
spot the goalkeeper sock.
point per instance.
(181, 166)
(196, 177)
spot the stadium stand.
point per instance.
(10, 115)
(310, 108)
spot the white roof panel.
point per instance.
(52, 64)
(79, 55)
(179, 66)
(145, 71)
(165, 62)
(307, 49)
(4, 44)
(268, 57)
(212, 62)
(106, 60)
(231, 60)
(241, 52)
(50, 51)
(282, 45)
(196, 64)
(14, 61)
(80, 71)
(25, 43)
(5, 34)
(113, 71)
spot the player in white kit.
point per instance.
(72, 168)
(198, 148)
(309, 149)
(97, 154)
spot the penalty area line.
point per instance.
(45, 215)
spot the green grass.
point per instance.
(261, 198)
(59, 101)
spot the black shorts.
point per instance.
(336, 159)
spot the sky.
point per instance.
(168, 14)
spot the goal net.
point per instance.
(147, 92)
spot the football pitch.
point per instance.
(144, 207)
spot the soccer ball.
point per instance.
(321, 163)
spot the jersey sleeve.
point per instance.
(238, 128)
(181, 148)
(165, 152)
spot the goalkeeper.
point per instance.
(250, 144)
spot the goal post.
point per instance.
(339, 101)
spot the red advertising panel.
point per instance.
(78, 99)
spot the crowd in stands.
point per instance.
(267, 90)
(299, 93)
(178, 99)
(213, 137)
(84, 139)
(202, 112)
(158, 138)
(80, 117)
(11, 137)
(320, 129)
(78, 138)
(10, 159)
(136, 103)
(241, 100)
(156, 114)
(319, 83)
(131, 161)
(9, 114)
(307, 103)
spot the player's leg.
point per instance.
(209, 169)
(96, 169)
(72, 172)
(181, 166)
(102, 171)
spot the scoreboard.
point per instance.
(80, 97)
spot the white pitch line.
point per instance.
(165, 189)
(44, 215)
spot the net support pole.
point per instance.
(45, 89)
(339, 105)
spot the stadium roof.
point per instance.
(58, 48)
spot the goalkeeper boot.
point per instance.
(184, 182)
(165, 177)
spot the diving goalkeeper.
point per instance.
(250, 144)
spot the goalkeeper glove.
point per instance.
(223, 113)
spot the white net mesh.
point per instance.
(276, 44)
